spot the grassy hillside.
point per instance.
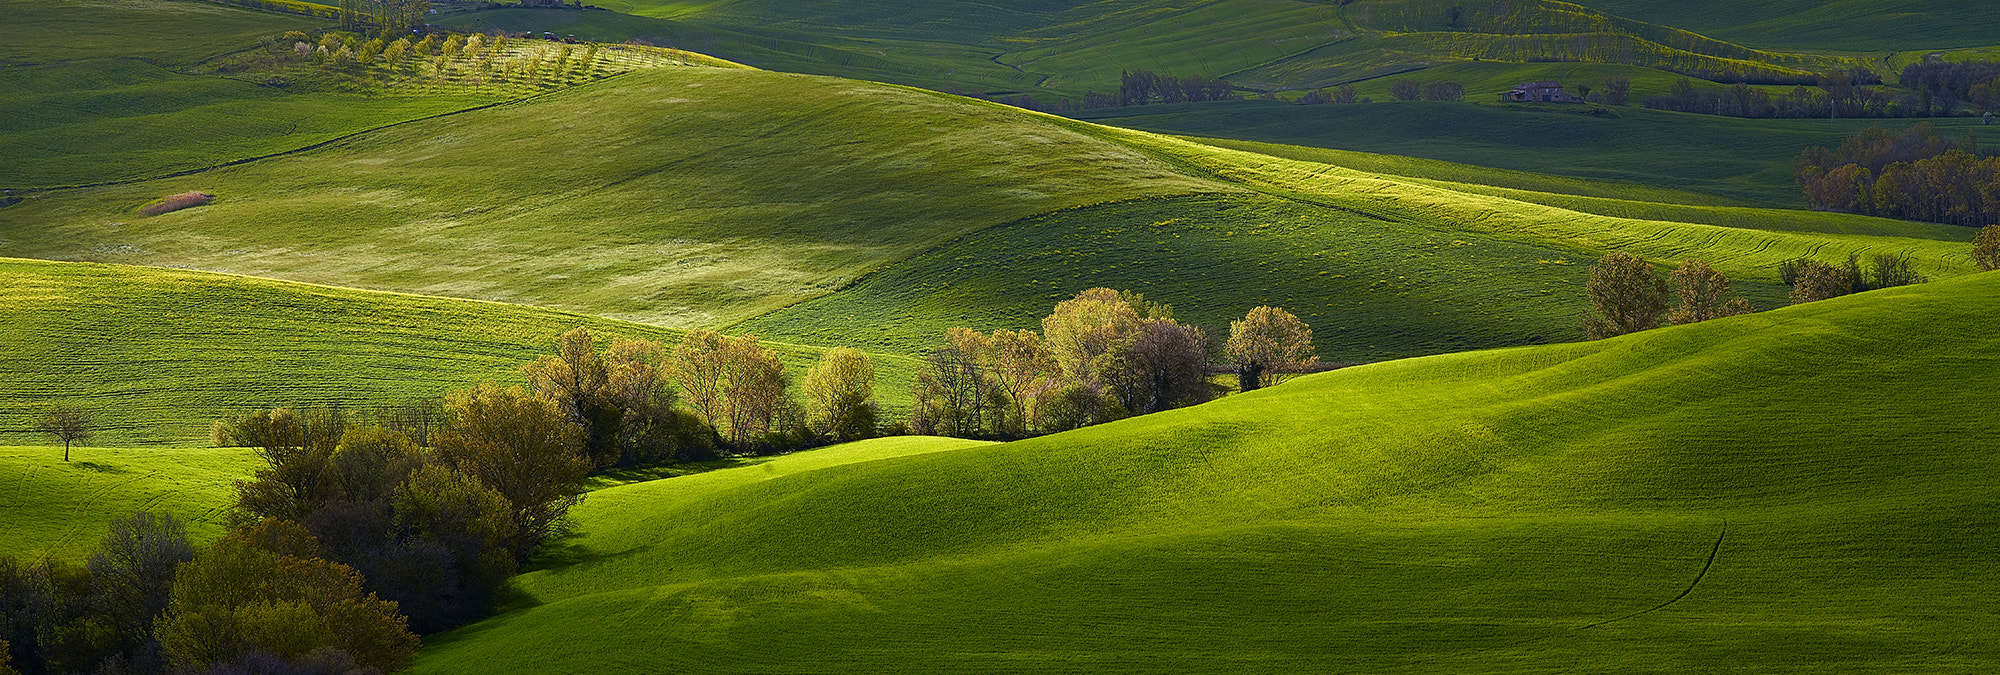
(59, 509)
(1837, 25)
(159, 354)
(1735, 495)
(679, 196)
(1746, 160)
(1065, 47)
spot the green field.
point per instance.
(59, 509)
(675, 197)
(1791, 491)
(1745, 160)
(160, 354)
(1836, 25)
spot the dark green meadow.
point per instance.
(1792, 491)
(1806, 488)
(1749, 161)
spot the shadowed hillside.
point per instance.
(1738, 494)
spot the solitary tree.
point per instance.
(68, 423)
(840, 393)
(1268, 345)
(1986, 249)
(1625, 297)
(1701, 290)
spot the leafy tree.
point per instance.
(1268, 345)
(1986, 249)
(1407, 90)
(1626, 296)
(1166, 367)
(1618, 91)
(67, 423)
(239, 596)
(1087, 333)
(1023, 369)
(840, 395)
(521, 447)
(1701, 291)
(1888, 270)
(1819, 281)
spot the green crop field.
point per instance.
(1791, 491)
(1745, 160)
(160, 354)
(853, 224)
(1837, 25)
(59, 509)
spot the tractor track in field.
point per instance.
(1713, 552)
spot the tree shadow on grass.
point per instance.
(100, 468)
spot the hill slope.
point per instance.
(1734, 495)
(59, 509)
(159, 354)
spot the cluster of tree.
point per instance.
(1412, 90)
(1142, 87)
(391, 17)
(288, 7)
(1948, 84)
(1101, 356)
(257, 601)
(1628, 296)
(1813, 280)
(1914, 175)
(1344, 94)
(357, 532)
(1837, 95)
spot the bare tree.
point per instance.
(697, 366)
(755, 384)
(1626, 296)
(67, 423)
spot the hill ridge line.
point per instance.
(308, 148)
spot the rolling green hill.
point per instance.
(1065, 47)
(1746, 160)
(678, 197)
(1838, 25)
(1782, 492)
(160, 354)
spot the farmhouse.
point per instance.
(1544, 92)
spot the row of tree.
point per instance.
(1101, 356)
(1627, 296)
(1914, 175)
(1836, 96)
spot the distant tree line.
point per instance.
(1135, 87)
(1914, 175)
(1841, 94)
(1102, 355)
(1813, 280)
(1627, 296)
(1948, 84)
(1344, 95)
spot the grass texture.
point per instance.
(160, 354)
(57, 509)
(1791, 491)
